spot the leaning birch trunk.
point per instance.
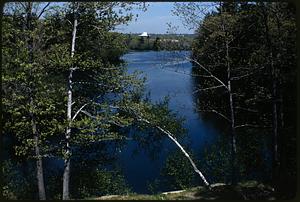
(170, 135)
(39, 160)
(66, 176)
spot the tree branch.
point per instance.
(208, 72)
(214, 111)
(210, 88)
(94, 117)
(43, 10)
(247, 109)
(79, 110)
(240, 77)
(88, 114)
(69, 22)
(251, 126)
(23, 5)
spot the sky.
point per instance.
(155, 20)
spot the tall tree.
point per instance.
(23, 78)
(66, 175)
(218, 30)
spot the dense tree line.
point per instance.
(245, 70)
(158, 42)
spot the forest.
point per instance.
(69, 104)
(247, 54)
(159, 42)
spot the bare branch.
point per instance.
(117, 124)
(78, 111)
(23, 5)
(183, 72)
(214, 111)
(240, 77)
(208, 72)
(43, 10)
(247, 109)
(69, 22)
(251, 126)
(88, 114)
(96, 27)
(203, 76)
(109, 121)
(210, 88)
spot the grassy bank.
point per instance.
(246, 190)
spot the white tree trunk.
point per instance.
(232, 117)
(66, 176)
(189, 158)
(170, 135)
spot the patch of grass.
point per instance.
(245, 190)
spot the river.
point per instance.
(168, 74)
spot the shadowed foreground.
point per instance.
(247, 191)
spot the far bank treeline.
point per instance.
(154, 42)
(158, 42)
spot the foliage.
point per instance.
(106, 100)
(259, 35)
(253, 158)
(216, 161)
(159, 42)
(24, 78)
(178, 172)
(103, 183)
(17, 182)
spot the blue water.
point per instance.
(168, 74)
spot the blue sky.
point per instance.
(155, 20)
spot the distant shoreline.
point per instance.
(158, 42)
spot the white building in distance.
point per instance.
(144, 34)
